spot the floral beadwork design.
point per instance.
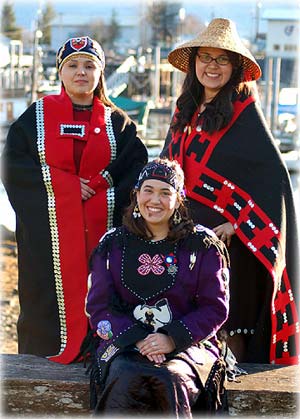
(155, 264)
(149, 264)
(104, 330)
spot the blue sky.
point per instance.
(243, 12)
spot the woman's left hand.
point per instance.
(225, 232)
(156, 344)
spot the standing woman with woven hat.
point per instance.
(238, 185)
(69, 163)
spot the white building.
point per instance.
(5, 53)
(283, 33)
(68, 26)
(282, 102)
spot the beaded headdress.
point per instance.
(81, 46)
(159, 170)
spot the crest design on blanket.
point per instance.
(156, 316)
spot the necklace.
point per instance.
(202, 108)
(198, 121)
(78, 107)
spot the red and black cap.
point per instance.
(81, 46)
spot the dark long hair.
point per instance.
(219, 111)
(176, 232)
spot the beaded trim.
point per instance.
(77, 130)
(242, 331)
(110, 133)
(107, 176)
(110, 195)
(52, 222)
(110, 351)
(113, 154)
(187, 329)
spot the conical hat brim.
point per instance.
(221, 33)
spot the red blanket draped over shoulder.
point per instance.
(238, 172)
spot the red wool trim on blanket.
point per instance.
(79, 223)
(252, 225)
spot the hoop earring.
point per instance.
(136, 212)
(177, 217)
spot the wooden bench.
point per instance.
(34, 385)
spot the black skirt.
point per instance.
(177, 388)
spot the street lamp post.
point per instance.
(35, 65)
(35, 60)
(257, 18)
(181, 15)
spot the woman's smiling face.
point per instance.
(212, 76)
(157, 202)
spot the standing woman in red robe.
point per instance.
(68, 165)
(238, 185)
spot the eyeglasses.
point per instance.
(221, 59)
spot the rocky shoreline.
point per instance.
(9, 295)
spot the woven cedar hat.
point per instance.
(81, 46)
(220, 33)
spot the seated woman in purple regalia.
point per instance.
(158, 295)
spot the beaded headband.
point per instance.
(84, 46)
(160, 171)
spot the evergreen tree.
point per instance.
(48, 14)
(113, 30)
(163, 17)
(8, 22)
(97, 31)
(105, 34)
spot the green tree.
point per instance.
(9, 27)
(113, 30)
(48, 14)
(105, 34)
(163, 17)
(97, 31)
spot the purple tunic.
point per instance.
(178, 289)
(138, 287)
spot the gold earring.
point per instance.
(136, 212)
(177, 217)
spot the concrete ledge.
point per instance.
(31, 384)
(34, 385)
(267, 390)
